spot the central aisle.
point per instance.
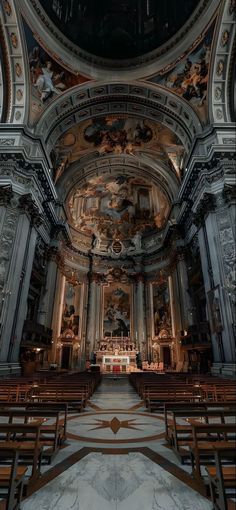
(116, 459)
(116, 393)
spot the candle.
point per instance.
(136, 335)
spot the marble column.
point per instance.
(217, 249)
(57, 313)
(186, 305)
(83, 314)
(91, 322)
(46, 304)
(141, 326)
(17, 241)
(149, 320)
(82, 322)
(77, 299)
(98, 325)
(21, 309)
(176, 307)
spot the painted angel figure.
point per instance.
(49, 82)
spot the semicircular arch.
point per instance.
(219, 82)
(14, 87)
(156, 172)
(135, 99)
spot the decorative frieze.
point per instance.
(7, 237)
(229, 193)
(228, 250)
(7, 142)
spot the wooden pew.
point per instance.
(12, 478)
(181, 434)
(26, 438)
(14, 393)
(156, 401)
(50, 435)
(169, 407)
(74, 399)
(60, 407)
(222, 478)
(205, 436)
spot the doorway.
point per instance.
(65, 357)
(166, 356)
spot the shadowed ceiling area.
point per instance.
(117, 29)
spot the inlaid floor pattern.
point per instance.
(116, 459)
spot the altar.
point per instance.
(113, 362)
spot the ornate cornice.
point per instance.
(28, 206)
(205, 172)
(18, 161)
(206, 205)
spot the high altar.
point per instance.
(117, 355)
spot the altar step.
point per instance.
(115, 375)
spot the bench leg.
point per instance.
(19, 494)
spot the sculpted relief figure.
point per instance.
(2, 271)
(136, 242)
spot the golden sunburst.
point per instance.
(115, 424)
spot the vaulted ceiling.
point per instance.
(117, 92)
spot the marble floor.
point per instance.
(116, 459)
(116, 482)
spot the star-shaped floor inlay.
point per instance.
(115, 424)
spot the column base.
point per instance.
(224, 369)
(10, 369)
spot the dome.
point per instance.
(119, 30)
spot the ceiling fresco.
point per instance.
(189, 78)
(115, 29)
(117, 135)
(48, 78)
(117, 207)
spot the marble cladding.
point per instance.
(116, 482)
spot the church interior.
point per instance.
(117, 254)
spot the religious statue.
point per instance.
(136, 242)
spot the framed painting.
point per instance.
(116, 310)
